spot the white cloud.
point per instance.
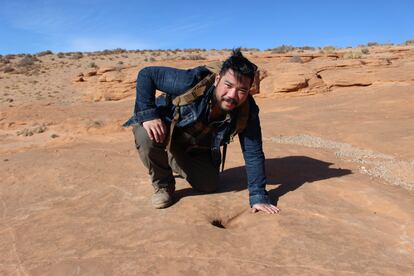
(102, 43)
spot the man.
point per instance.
(185, 135)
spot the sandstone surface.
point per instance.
(338, 137)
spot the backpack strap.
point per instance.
(224, 157)
(188, 97)
(193, 93)
(198, 90)
(241, 124)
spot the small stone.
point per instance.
(106, 69)
(79, 79)
(91, 73)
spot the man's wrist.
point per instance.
(255, 199)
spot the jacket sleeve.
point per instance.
(166, 79)
(252, 148)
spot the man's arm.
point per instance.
(166, 79)
(251, 144)
(172, 81)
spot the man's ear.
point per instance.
(217, 79)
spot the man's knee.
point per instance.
(206, 183)
(143, 142)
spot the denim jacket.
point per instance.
(175, 82)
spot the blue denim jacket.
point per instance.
(175, 82)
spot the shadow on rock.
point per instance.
(288, 172)
(292, 172)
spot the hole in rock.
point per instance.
(218, 223)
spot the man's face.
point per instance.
(230, 92)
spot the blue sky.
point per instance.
(30, 26)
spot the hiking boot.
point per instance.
(162, 197)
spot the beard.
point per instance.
(230, 100)
(223, 101)
(228, 104)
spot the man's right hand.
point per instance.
(156, 129)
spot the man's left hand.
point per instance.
(267, 208)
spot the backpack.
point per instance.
(199, 89)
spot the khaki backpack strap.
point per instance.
(172, 126)
(188, 97)
(214, 66)
(193, 93)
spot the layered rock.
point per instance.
(109, 84)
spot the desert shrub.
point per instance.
(191, 50)
(409, 42)
(193, 57)
(282, 49)
(60, 55)
(9, 57)
(77, 55)
(28, 60)
(365, 51)
(114, 51)
(120, 62)
(250, 49)
(372, 44)
(92, 65)
(295, 59)
(44, 53)
(306, 48)
(4, 60)
(328, 49)
(170, 58)
(119, 51)
(8, 69)
(352, 55)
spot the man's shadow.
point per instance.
(288, 172)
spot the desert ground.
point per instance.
(338, 132)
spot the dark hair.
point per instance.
(241, 66)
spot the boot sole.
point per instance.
(162, 205)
